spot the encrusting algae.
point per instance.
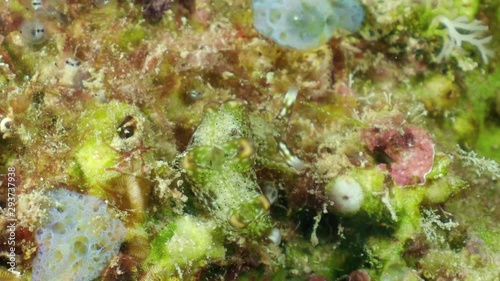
(191, 140)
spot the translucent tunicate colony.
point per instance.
(302, 24)
(78, 239)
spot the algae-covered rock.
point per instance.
(227, 156)
(111, 137)
(183, 247)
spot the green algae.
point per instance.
(481, 100)
(100, 142)
(132, 38)
(185, 241)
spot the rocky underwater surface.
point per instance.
(249, 140)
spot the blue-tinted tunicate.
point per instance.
(77, 238)
(351, 14)
(305, 24)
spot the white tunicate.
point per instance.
(346, 195)
(99, 96)
(71, 73)
(195, 95)
(36, 4)
(33, 32)
(275, 236)
(72, 63)
(5, 125)
(101, 3)
(270, 190)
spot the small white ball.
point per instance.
(346, 194)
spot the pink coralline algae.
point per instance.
(410, 150)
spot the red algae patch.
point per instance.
(410, 150)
